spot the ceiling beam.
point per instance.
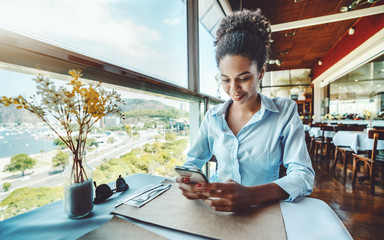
(328, 19)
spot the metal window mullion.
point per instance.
(193, 45)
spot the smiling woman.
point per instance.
(250, 135)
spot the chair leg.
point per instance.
(333, 167)
(372, 178)
(382, 174)
(315, 152)
(327, 154)
(345, 163)
(354, 172)
(321, 151)
(311, 146)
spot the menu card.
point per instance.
(118, 228)
(173, 210)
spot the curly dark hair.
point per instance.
(245, 33)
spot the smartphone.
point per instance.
(196, 175)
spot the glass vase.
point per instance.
(78, 188)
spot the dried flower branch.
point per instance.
(78, 106)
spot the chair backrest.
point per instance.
(379, 134)
(326, 128)
(378, 128)
(376, 135)
(317, 124)
(348, 127)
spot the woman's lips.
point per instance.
(237, 97)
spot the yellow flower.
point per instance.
(76, 74)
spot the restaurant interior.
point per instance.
(326, 55)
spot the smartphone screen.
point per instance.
(195, 175)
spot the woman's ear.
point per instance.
(262, 72)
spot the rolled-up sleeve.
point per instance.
(300, 175)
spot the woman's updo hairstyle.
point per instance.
(245, 33)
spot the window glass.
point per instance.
(294, 84)
(146, 36)
(362, 73)
(378, 70)
(359, 90)
(210, 81)
(210, 16)
(300, 76)
(280, 78)
(153, 138)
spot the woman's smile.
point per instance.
(238, 97)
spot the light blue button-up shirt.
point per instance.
(273, 136)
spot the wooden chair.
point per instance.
(342, 151)
(370, 161)
(314, 139)
(324, 143)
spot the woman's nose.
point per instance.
(235, 86)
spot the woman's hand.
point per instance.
(188, 189)
(229, 196)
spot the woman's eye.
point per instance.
(244, 79)
(225, 80)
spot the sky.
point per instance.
(148, 36)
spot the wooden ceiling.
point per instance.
(308, 44)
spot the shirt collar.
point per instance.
(266, 103)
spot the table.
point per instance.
(317, 132)
(305, 218)
(306, 127)
(357, 141)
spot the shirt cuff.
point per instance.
(289, 188)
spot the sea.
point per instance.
(29, 140)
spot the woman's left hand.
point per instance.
(228, 197)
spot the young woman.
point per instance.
(250, 135)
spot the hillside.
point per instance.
(13, 115)
(141, 104)
(133, 106)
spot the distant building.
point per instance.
(111, 121)
(179, 124)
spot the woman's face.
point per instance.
(240, 78)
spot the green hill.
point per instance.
(133, 108)
(141, 104)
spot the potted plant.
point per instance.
(76, 108)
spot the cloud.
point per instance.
(88, 25)
(172, 21)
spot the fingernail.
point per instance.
(186, 179)
(198, 185)
(207, 189)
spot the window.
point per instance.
(359, 90)
(294, 84)
(151, 139)
(145, 36)
(129, 47)
(210, 15)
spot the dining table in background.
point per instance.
(317, 132)
(357, 141)
(306, 127)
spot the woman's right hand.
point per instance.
(189, 189)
